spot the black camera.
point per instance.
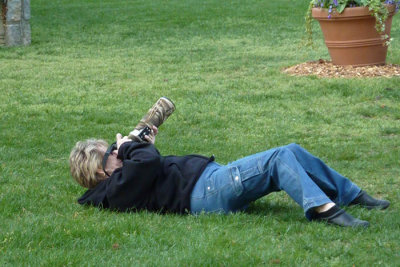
(145, 131)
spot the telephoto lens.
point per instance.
(156, 115)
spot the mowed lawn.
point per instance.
(95, 67)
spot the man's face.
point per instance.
(112, 162)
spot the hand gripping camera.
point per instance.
(158, 113)
(155, 116)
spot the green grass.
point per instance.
(95, 67)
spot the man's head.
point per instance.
(85, 162)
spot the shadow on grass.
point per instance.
(287, 212)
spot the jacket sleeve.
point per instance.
(131, 185)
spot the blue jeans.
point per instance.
(304, 177)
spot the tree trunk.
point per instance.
(15, 28)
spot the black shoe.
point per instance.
(366, 201)
(339, 217)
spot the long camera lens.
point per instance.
(156, 115)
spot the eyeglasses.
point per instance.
(110, 149)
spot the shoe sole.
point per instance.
(377, 207)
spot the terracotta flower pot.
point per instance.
(351, 36)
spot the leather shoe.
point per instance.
(339, 217)
(366, 201)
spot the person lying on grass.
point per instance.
(132, 176)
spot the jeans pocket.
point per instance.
(236, 180)
(210, 186)
(244, 175)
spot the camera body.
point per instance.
(155, 116)
(144, 132)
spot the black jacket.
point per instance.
(148, 181)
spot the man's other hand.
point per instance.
(151, 138)
(121, 140)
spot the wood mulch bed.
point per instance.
(324, 68)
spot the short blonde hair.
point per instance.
(84, 161)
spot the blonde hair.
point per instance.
(84, 161)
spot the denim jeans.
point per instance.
(304, 177)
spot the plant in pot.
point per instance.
(356, 32)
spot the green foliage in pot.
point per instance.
(377, 8)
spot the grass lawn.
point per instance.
(95, 67)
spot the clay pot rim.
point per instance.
(319, 13)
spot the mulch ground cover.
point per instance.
(324, 68)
